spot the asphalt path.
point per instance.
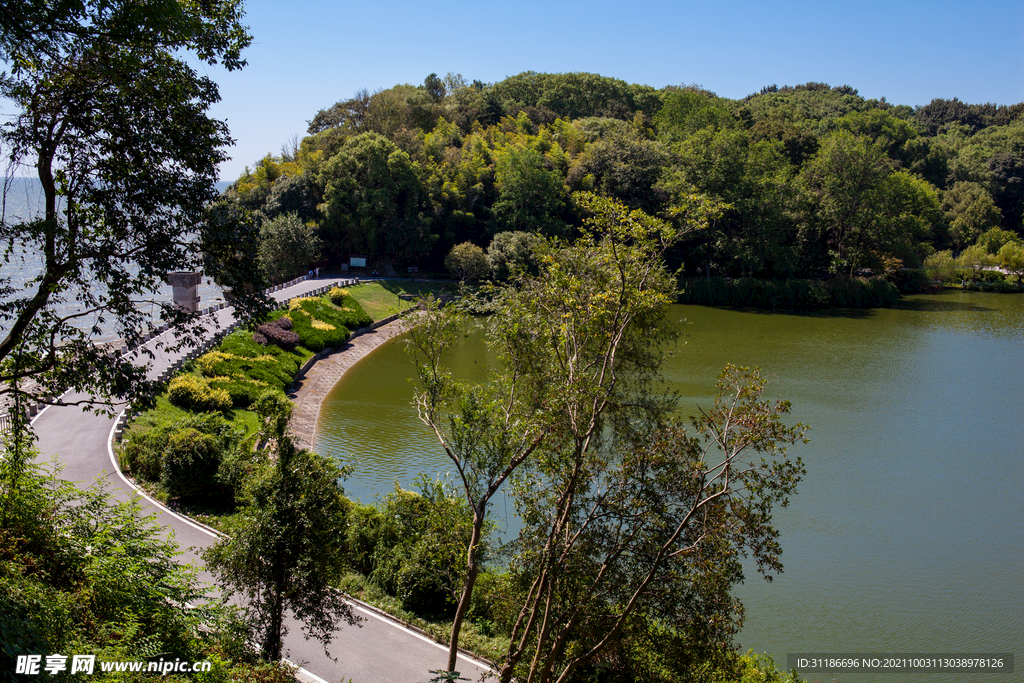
(378, 650)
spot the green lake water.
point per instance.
(907, 534)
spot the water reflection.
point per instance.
(904, 537)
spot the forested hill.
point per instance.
(813, 180)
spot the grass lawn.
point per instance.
(380, 298)
(164, 413)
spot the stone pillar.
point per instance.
(184, 285)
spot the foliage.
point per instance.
(373, 201)
(844, 182)
(941, 266)
(530, 197)
(419, 541)
(281, 554)
(193, 392)
(970, 211)
(208, 442)
(278, 333)
(622, 163)
(790, 294)
(995, 239)
(466, 261)
(239, 356)
(288, 247)
(1011, 258)
(649, 528)
(974, 260)
(190, 463)
(512, 252)
(337, 295)
(603, 298)
(81, 572)
(687, 111)
(321, 325)
(113, 118)
(812, 179)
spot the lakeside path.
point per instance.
(380, 650)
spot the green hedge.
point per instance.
(789, 294)
(194, 457)
(240, 358)
(321, 324)
(194, 393)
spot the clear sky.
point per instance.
(308, 54)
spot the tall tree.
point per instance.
(531, 197)
(970, 210)
(645, 527)
(842, 184)
(288, 247)
(568, 338)
(374, 202)
(283, 553)
(115, 123)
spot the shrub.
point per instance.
(284, 339)
(193, 392)
(366, 525)
(243, 391)
(190, 463)
(466, 261)
(337, 295)
(941, 266)
(141, 454)
(244, 357)
(419, 544)
(304, 311)
(208, 362)
(296, 303)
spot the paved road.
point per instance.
(380, 650)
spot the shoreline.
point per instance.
(311, 388)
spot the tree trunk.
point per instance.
(472, 569)
(272, 640)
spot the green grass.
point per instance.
(380, 298)
(471, 638)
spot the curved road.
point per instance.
(380, 650)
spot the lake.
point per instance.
(24, 200)
(906, 535)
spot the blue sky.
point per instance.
(308, 54)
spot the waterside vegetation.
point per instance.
(809, 182)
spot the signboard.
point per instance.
(357, 261)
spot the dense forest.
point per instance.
(809, 181)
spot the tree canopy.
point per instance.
(114, 122)
(501, 157)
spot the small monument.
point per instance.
(184, 289)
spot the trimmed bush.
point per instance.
(190, 463)
(337, 295)
(244, 357)
(243, 391)
(303, 311)
(192, 392)
(142, 454)
(284, 339)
